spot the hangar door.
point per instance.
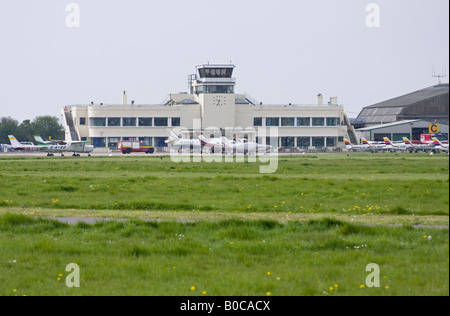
(398, 137)
(379, 137)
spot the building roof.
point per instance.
(427, 103)
(413, 97)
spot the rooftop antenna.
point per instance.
(440, 76)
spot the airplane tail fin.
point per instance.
(365, 142)
(172, 137)
(39, 140)
(407, 141)
(348, 144)
(437, 143)
(14, 142)
(387, 141)
(203, 139)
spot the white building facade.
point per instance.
(212, 106)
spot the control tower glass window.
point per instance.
(215, 89)
(215, 72)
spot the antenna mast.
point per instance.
(439, 76)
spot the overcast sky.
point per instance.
(285, 51)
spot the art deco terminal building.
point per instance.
(213, 105)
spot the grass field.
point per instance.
(300, 231)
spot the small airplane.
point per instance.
(16, 145)
(61, 146)
(391, 146)
(178, 143)
(416, 147)
(211, 143)
(372, 146)
(244, 146)
(439, 146)
(75, 147)
(352, 147)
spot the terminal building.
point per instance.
(212, 105)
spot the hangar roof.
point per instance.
(428, 100)
(413, 97)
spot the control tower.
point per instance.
(214, 87)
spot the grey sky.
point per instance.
(285, 51)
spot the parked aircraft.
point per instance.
(244, 146)
(75, 147)
(16, 145)
(391, 146)
(59, 146)
(178, 143)
(439, 146)
(373, 147)
(352, 147)
(416, 147)
(211, 143)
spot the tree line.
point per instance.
(45, 126)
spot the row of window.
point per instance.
(111, 142)
(285, 142)
(297, 121)
(306, 142)
(132, 121)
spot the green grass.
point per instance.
(301, 224)
(372, 184)
(219, 258)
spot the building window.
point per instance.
(145, 121)
(318, 142)
(146, 141)
(129, 121)
(303, 121)
(257, 121)
(176, 121)
(97, 121)
(99, 142)
(161, 121)
(215, 89)
(114, 121)
(273, 121)
(333, 121)
(318, 121)
(287, 142)
(82, 121)
(331, 141)
(287, 121)
(303, 142)
(160, 142)
(112, 142)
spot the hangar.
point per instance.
(397, 130)
(430, 104)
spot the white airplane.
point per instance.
(391, 146)
(210, 142)
(439, 146)
(178, 143)
(60, 146)
(352, 147)
(416, 147)
(373, 147)
(244, 146)
(16, 145)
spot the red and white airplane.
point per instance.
(439, 146)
